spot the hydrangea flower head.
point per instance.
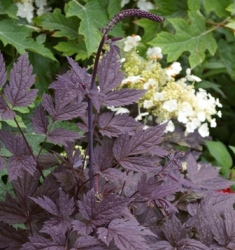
(131, 42)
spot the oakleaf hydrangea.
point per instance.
(166, 98)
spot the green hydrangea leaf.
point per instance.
(93, 17)
(150, 29)
(70, 48)
(193, 38)
(231, 8)
(218, 150)
(217, 6)
(60, 25)
(227, 55)
(171, 8)
(9, 8)
(20, 38)
(194, 4)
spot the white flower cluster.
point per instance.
(26, 8)
(141, 4)
(167, 98)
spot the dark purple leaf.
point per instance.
(103, 155)
(13, 143)
(73, 155)
(11, 213)
(96, 97)
(115, 125)
(66, 204)
(125, 234)
(105, 210)
(138, 164)
(205, 176)
(62, 136)
(21, 73)
(18, 164)
(47, 204)
(141, 142)
(109, 74)
(162, 245)
(20, 97)
(48, 104)
(123, 97)
(229, 216)
(66, 179)
(39, 242)
(147, 185)
(3, 73)
(83, 78)
(24, 187)
(174, 230)
(203, 229)
(11, 238)
(86, 241)
(63, 109)
(21, 79)
(218, 228)
(48, 160)
(40, 121)
(67, 107)
(82, 228)
(5, 112)
(191, 244)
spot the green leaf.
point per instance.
(20, 38)
(231, 8)
(218, 150)
(34, 141)
(13, 124)
(60, 25)
(150, 29)
(93, 17)
(45, 70)
(23, 110)
(194, 4)
(70, 48)
(217, 6)
(193, 38)
(227, 55)
(232, 148)
(9, 8)
(231, 25)
(211, 85)
(5, 186)
(171, 8)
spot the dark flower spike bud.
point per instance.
(128, 13)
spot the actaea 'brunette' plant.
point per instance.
(138, 198)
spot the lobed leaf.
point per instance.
(205, 176)
(11, 238)
(59, 24)
(192, 38)
(62, 136)
(109, 74)
(126, 234)
(123, 97)
(112, 126)
(86, 14)
(40, 121)
(105, 210)
(5, 112)
(19, 37)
